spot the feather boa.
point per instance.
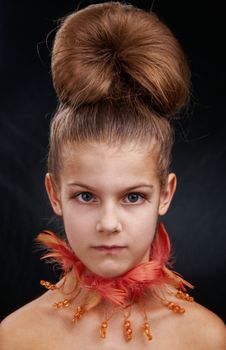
(125, 289)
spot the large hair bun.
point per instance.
(111, 51)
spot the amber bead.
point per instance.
(147, 332)
(66, 303)
(128, 330)
(184, 296)
(78, 314)
(182, 310)
(175, 308)
(48, 285)
(103, 329)
(61, 304)
(127, 323)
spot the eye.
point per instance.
(134, 197)
(85, 197)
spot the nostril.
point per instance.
(108, 227)
(108, 220)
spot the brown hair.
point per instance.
(120, 74)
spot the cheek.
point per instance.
(145, 233)
(145, 218)
(77, 227)
(142, 228)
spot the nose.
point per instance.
(108, 220)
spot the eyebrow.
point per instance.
(71, 184)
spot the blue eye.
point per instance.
(134, 197)
(85, 196)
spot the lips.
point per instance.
(111, 249)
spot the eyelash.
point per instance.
(142, 197)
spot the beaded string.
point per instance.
(104, 325)
(128, 332)
(146, 328)
(184, 296)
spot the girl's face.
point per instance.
(110, 199)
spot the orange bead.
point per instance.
(184, 296)
(170, 305)
(146, 325)
(78, 314)
(66, 303)
(129, 337)
(127, 323)
(103, 329)
(176, 308)
(129, 331)
(102, 335)
(147, 332)
(48, 285)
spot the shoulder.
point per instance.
(198, 328)
(204, 329)
(22, 329)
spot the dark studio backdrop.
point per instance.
(196, 219)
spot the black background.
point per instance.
(196, 219)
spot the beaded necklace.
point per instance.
(121, 292)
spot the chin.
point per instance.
(110, 272)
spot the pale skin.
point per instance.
(108, 196)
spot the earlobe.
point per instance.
(167, 194)
(53, 194)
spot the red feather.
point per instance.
(123, 289)
(161, 247)
(58, 250)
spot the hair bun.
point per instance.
(111, 51)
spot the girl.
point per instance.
(120, 76)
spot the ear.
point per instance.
(167, 193)
(53, 194)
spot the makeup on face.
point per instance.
(109, 200)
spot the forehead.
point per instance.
(106, 161)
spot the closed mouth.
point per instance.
(109, 248)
